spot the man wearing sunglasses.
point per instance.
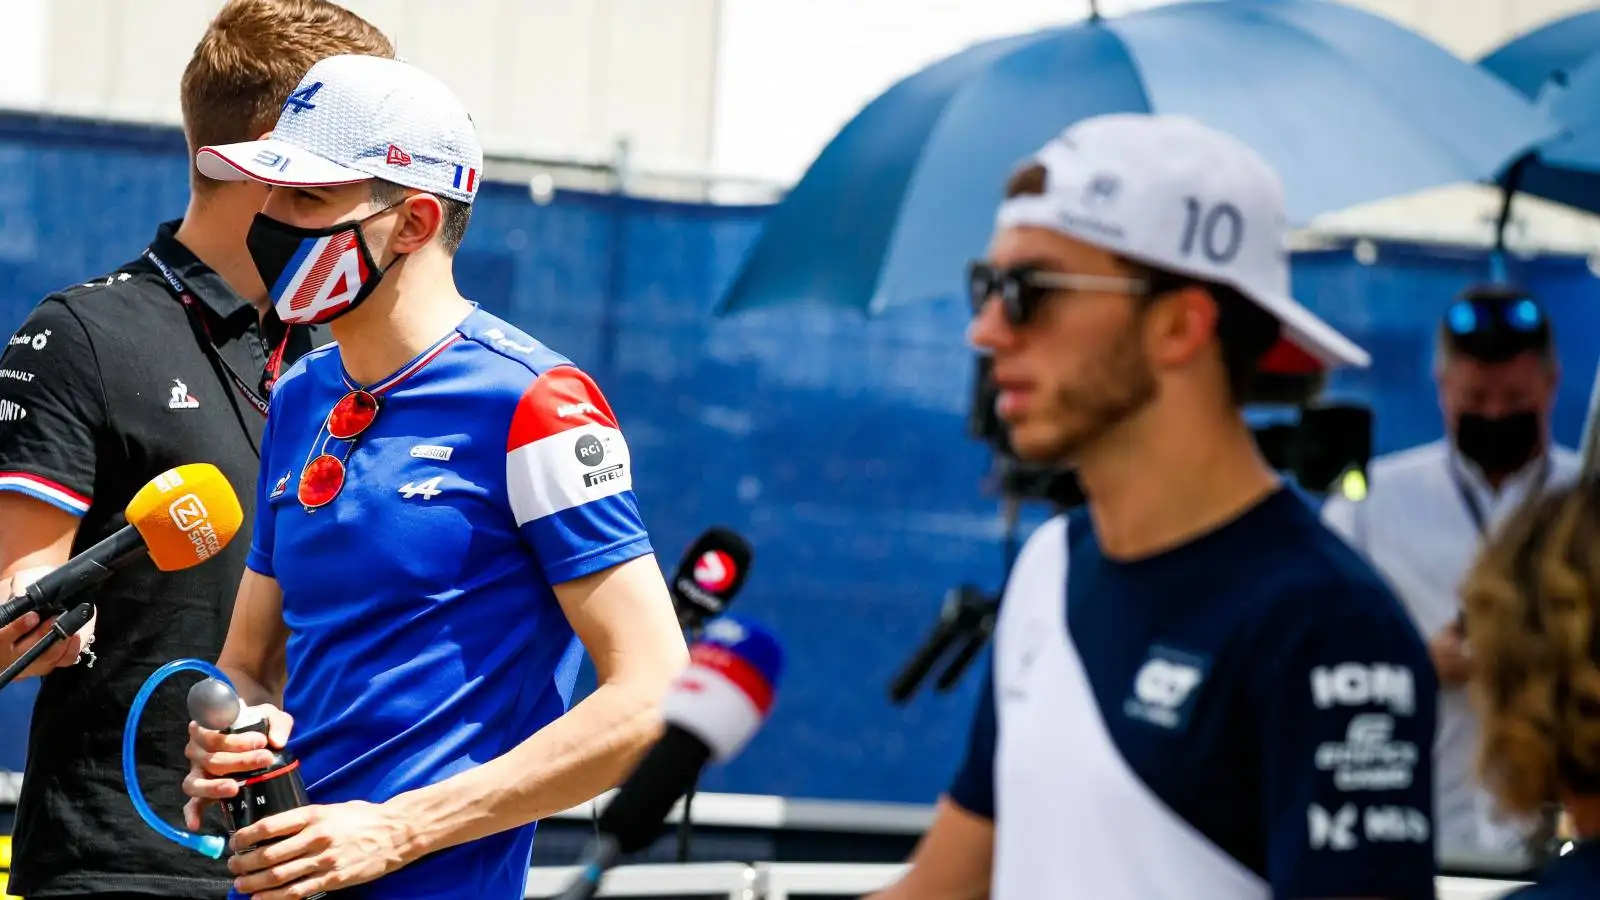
(1186, 671)
(446, 521)
(1429, 508)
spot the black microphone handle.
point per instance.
(602, 854)
(686, 822)
(905, 684)
(964, 657)
(637, 813)
(61, 629)
(49, 594)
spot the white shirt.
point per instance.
(1416, 527)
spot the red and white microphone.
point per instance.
(713, 709)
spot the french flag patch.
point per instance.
(466, 179)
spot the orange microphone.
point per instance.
(182, 518)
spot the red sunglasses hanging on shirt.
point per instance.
(323, 477)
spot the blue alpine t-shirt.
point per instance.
(425, 636)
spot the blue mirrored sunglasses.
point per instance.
(1468, 317)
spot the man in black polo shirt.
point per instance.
(167, 360)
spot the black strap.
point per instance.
(1475, 509)
(257, 399)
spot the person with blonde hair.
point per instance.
(169, 358)
(1532, 605)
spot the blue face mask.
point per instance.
(314, 275)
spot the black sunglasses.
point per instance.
(1023, 290)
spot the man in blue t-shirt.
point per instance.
(1197, 691)
(446, 521)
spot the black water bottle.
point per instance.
(263, 792)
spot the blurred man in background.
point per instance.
(1533, 599)
(1429, 508)
(167, 360)
(1183, 673)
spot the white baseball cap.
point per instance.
(354, 118)
(1178, 195)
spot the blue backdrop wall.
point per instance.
(835, 443)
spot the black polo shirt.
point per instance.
(105, 386)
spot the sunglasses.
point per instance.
(1467, 317)
(1493, 330)
(323, 477)
(1023, 290)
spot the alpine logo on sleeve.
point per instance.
(565, 449)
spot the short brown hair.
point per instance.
(1532, 604)
(251, 58)
(457, 214)
(1245, 331)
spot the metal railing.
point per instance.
(783, 881)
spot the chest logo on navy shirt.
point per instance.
(1165, 688)
(280, 487)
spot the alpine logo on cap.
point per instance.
(300, 100)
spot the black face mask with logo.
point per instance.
(1501, 445)
(315, 275)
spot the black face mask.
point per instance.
(314, 275)
(1499, 446)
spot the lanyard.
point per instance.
(257, 399)
(1469, 499)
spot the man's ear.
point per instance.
(1185, 321)
(421, 218)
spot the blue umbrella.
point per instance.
(1558, 67)
(1348, 107)
(1528, 61)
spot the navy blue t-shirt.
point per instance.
(1575, 876)
(1265, 685)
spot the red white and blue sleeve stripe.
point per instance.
(569, 478)
(51, 492)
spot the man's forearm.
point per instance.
(570, 761)
(249, 688)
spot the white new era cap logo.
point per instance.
(1173, 193)
(354, 118)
